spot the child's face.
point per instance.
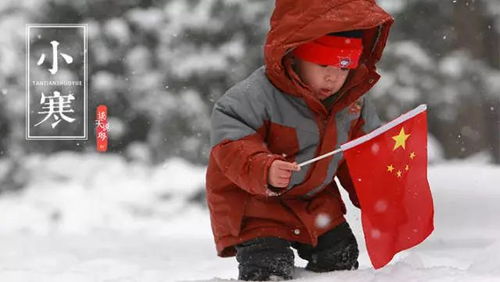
(324, 80)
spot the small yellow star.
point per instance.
(390, 168)
(407, 168)
(399, 173)
(412, 155)
(400, 139)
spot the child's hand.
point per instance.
(280, 173)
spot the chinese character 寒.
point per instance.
(56, 105)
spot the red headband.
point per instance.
(340, 52)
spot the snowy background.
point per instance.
(137, 212)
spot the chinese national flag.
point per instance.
(389, 170)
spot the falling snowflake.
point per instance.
(381, 206)
(375, 233)
(322, 220)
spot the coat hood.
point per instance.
(295, 22)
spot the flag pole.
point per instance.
(320, 157)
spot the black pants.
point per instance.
(263, 258)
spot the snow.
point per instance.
(322, 220)
(493, 8)
(117, 128)
(493, 84)
(117, 28)
(138, 60)
(103, 82)
(191, 103)
(100, 218)
(381, 206)
(452, 64)
(199, 16)
(435, 152)
(200, 61)
(412, 53)
(392, 6)
(147, 19)
(12, 27)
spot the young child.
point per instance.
(306, 101)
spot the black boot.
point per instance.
(336, 250)
(265, 259)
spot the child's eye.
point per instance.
(343, 69)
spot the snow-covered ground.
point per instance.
(77, 221)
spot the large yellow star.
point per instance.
(400, 139)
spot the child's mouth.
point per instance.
(325, 92)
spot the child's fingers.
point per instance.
(281, 172)
(282, 183)
(288, 166)
(284, 173)
(284, 179)
(277, 182)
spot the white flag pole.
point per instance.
(320, 157)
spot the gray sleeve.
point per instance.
(237, 114)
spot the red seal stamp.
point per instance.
(101, 131)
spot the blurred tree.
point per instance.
(4, 125)
(475, 33)
(159, 65)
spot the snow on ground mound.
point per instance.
(79, 222)
(75, 193)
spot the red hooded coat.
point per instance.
(273, 115)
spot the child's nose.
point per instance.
(331, 76)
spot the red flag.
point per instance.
(389, 170)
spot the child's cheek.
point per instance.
(315, 81)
